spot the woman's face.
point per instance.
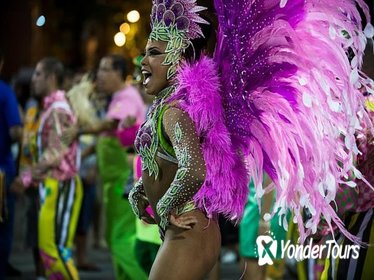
(154, 73)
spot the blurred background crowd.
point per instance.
(81, 34)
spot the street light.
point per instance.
(120, 39)
(133, 16)
(125, 28)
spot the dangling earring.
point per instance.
(193, 52)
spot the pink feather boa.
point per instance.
(225, 189)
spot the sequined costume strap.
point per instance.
(164, 143)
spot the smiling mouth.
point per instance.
(147, 77)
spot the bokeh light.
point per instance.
(133, 16)
(120, 39)
(40, 21)
(125, 28)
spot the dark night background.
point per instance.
(78, 32)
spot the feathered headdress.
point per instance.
(290, 86)
(177, 23)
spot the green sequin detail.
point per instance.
(178, 133)
(148, 154)
(177, 42)
(163, 206)
(134, 194)
(187, 207)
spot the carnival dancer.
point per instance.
(54, 173)
(26, 159)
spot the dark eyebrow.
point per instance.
(153, 49)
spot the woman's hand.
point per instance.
(185, 221)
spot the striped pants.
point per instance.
(58, 217)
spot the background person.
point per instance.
(10, 131)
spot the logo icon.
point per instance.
(267, 249)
